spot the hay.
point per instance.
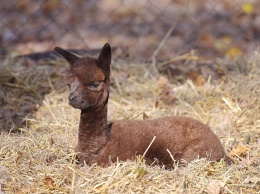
(23, 85)
(39, 158)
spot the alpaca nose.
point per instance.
(72, 97)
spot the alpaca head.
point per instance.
(88, 79)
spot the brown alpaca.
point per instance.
(101, 143)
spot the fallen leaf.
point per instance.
(193, 74)
(222, 43)
(210, 171)
(213, 187)
(48, 181)
(162, 82)
(140, 172)
(238, 151)
(206, 39)
(248, 161)
(200, 81)
(234, 52)
(166, 93)
(248, 8)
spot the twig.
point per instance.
(155, 53)
(78, 173)
(171, 155)
(52, 114)
(148, 148)
(73, 179)
(186, 56)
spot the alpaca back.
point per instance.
(185, 138)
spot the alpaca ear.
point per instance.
(104, 59)
(70, 57)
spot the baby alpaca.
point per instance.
(101, 143)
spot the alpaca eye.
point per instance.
(94, 85)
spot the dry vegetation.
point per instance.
(39, 157)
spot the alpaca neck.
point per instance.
(93, 128)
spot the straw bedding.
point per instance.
(38, 156)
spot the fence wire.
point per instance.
(214, 28)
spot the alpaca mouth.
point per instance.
(78, 104)
(74, 102)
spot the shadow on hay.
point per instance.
(23, 85)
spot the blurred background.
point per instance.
(182, 39)
(214, 28)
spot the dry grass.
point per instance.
(39, 158)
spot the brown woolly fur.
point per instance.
(176, 138)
